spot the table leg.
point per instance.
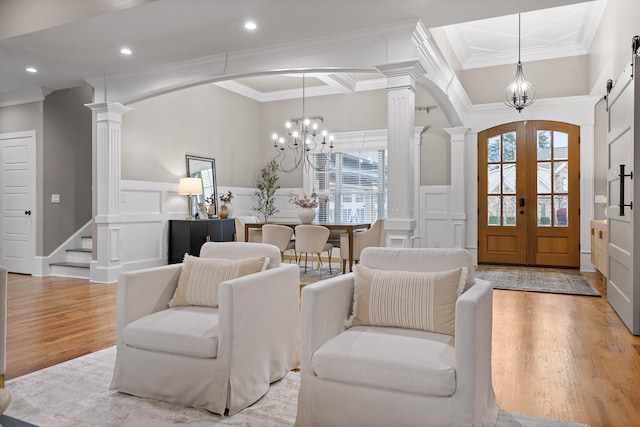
(350, 249)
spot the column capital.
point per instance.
(402, 74)
(110, 111)
(457, 133)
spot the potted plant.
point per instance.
(226, 210)
(307, 206)
(266, 187)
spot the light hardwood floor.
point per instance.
(557, 356)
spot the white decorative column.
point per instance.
(401, 192)
(107, 264)
(458, 185)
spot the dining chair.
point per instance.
(312, 239)
(255, 234)
(373, 236)
(280, 236)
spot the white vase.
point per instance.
(229, 209)
(306, 215)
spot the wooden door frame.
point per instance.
(525, 189)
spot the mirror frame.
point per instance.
(195, 171)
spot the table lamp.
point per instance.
(188, 187)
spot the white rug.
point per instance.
(75, 393)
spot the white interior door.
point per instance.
(623, 288)
(17, 201)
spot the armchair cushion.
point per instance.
(190, 331)
(403, 360)
(200, 277)
(407, 299)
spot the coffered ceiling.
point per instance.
(70, 41)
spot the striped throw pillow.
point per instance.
(200, 278)
(407, 299)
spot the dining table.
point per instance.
(348, 227)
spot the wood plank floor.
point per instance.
(557, 356)
(53, 319)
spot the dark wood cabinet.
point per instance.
(188, 236)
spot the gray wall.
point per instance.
(610, 50)
(66, 164)
(21, 118)
(212, 122)
(206, 121)
(552, 78)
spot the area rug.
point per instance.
(534, 279)
(75, 393)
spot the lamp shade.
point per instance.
(190, 186)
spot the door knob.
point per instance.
(522, 212)
(27, 212)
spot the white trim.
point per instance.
(42, 265)
(33, 161)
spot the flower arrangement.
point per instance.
(226, 198)
(305, 201)
(210, 199)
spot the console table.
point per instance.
(188, 236)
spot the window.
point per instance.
(356, 187)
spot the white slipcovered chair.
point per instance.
(384, 376)
(204, 357)
(373, 236)
(312, 239)
(255, 234)
(280, 236)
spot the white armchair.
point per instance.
(205, 357)
(382, 376)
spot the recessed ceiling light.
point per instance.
(126, 51)
(31, 70)
(250, 25)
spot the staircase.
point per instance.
(77, 262)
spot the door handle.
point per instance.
(622, 175)
(27, 212)
(521, 204)
(522, 212)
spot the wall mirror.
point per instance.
(204, 168)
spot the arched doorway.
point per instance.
(529, 194)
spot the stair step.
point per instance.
(89, 250)
(79, 270)
(71, 264)
(87, 242)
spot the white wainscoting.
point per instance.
(436, 227)
(146, 208)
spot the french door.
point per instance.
(529, 194)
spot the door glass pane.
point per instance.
(493, 179)
(509, 147)
(509, 179)
(560, 204)
(493, 149)
(560, 145)
(509, 210)
(544, 145)
(561, 177)
(493, 210)
(544, 211)
(544, 178)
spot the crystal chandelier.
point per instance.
(520, 93)
(302, 140)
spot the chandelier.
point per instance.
(520, 93)
(302, 140)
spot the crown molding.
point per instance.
(23, 96)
